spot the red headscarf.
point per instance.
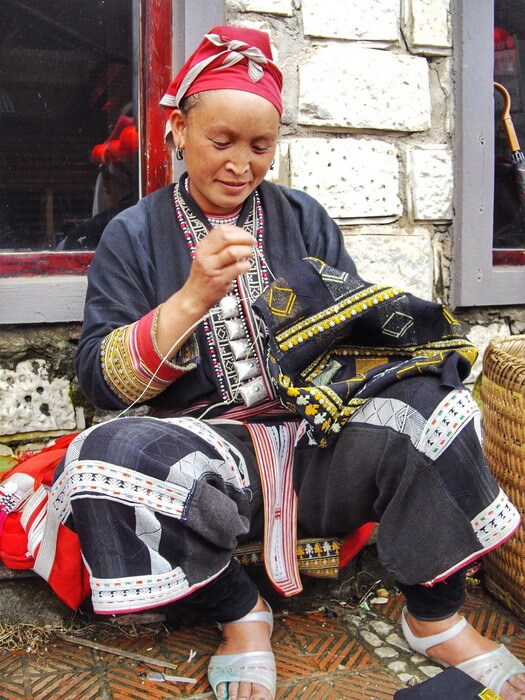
(229, 58)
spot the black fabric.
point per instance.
(432, 603)
(228, 597)
(450, 683)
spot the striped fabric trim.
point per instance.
(126, 595)
(268, 409)
(497, 522)
(449, 418)
(46, 555)
(274, 449)
(33, 519)
(493, 526)
(131, 364)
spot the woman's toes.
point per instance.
(242, 691)
(222, 691)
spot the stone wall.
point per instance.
(367, 130)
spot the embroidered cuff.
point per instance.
(187, 355)
(132, 366)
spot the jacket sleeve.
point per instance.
(117, 361)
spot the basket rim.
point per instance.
(500, 347)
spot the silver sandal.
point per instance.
(492, 669)
(256, 667)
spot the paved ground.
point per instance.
(334, 641)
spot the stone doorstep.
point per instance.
(10, 574)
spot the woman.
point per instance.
(160, 502)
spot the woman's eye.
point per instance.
(220, 144)
(261, 149)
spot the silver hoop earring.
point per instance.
(179, 153)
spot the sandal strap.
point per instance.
(422, 644)
(257, 667)
(259, 616)
(494, 668)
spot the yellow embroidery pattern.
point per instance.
(334, 315)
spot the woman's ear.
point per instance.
(178, 127)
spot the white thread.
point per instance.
(216, 405)
(259, 253)
(155, 373)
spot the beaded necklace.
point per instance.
(218, 220)
(230, 329)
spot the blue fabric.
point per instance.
(143, 258)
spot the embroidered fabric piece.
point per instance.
(137, 593)
(335, 341)
(493, 526)
(316, 557)
(274, 449)
(497, 522)
(391, 413)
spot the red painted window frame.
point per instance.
(155, 64)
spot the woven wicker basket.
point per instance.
(503, 406)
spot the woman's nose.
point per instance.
(239, 161)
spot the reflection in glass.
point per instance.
(509, 176)
(69, 144)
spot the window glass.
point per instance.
(67, 121)
(509, 174)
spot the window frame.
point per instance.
(49, 287)
(476, 281)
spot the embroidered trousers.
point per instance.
(159, 505)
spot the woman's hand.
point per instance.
(222, 256)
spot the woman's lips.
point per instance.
(233, 185)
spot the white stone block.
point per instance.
(430, 671)
(31, 402)
(386, 653)
(430, 183)
(427, 26)
(344, 86)
(352, 178)
(375, 20)
(480, 336)
(402, 261)
(269, 7)
(443, 104)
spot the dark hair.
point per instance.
(189, 102)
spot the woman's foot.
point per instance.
(240, 637)
(468, 644)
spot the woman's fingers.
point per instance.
(227, 242)
(223, 255)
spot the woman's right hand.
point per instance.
(222, 256)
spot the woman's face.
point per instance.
(229, 139)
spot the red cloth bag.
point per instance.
(68, 576)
